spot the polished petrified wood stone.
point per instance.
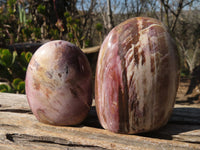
(136, 77)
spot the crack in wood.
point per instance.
(10, 137)
(21, 138)
(8, 125)
(16, 111)
(192, 142)
(70, 144)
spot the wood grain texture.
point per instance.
(19, 129)
(137, 77)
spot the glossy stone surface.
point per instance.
(137, 77)
(59, 84)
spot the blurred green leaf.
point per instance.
(6, 58)
(14, 56)
(25, 58)
(87, 43)
(16, 82)
(21, 87)
(99, 27)
(11, 8)
(69, 20)
(28, 56)
(22, 14)
(54, 33)
(41, 9)
(18, 85)
(70, 35)
(37, 32)
(82, 38)
(77, 21)
(5, 88)
(66, 14)
(75, 27)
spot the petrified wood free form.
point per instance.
(137, 77)
(59, 84)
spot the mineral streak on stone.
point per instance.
(137, 77)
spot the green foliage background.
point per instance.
(86, 23)
(13, 68)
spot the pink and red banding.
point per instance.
(136, 77)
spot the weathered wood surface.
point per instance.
(19, 129)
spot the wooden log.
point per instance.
(189, 115)
(32, 47)
(19, 129)
(91, 49)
